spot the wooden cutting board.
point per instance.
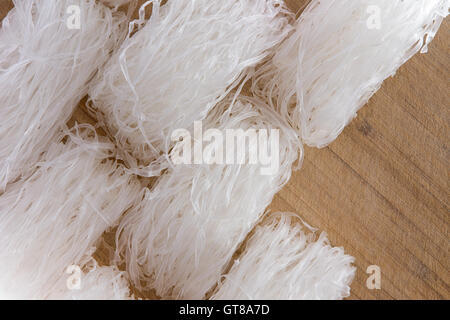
(381, 190)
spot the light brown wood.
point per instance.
(381, 190)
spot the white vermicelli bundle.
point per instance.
(338, 57)
(45, 64)
(171, 72)
(282, 261)
(97, 283)
(50, 220)
(179, 240)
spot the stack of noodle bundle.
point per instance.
(59, 192)
(49, 221)
(44, 69)
(179, 240)
(338, 57)
(281, 261)
(173, 70)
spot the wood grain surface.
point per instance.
(381, 190)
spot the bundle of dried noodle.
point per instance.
(179, 240)
(45, 64)
(338, 57)
(172, 71)
(282, 261)
(49, 221)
